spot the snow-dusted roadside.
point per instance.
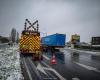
(10, 64)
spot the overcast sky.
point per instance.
(55, 16)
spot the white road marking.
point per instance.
(75, 78)
(46, 57)
(34, 68)
(87, 67)
(53, 70)
(40, 68)
(27, 70)
(46, 65)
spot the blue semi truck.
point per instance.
(53, 41)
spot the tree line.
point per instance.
(13, 38)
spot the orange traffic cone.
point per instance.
(53, 60)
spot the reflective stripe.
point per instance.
(33, 43)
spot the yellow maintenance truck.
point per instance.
(30, 40)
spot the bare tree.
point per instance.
(13, 35)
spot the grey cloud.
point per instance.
(55, 16)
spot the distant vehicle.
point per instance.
(30, 40)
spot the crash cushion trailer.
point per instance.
(30, 40)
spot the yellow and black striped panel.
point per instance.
(33, 42)
(24, 41)
(37, 43)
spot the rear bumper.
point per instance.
(26, 51)
(29, 51)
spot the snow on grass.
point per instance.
(10, 64)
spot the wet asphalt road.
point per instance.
(33, 73)
(82, 67)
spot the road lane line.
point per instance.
(47, 67)
(75, 78)
(46, 57)
(87, 67)
(35, 70)
(53, 70)
(46, 64)
(40, 68)
(27, 69)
